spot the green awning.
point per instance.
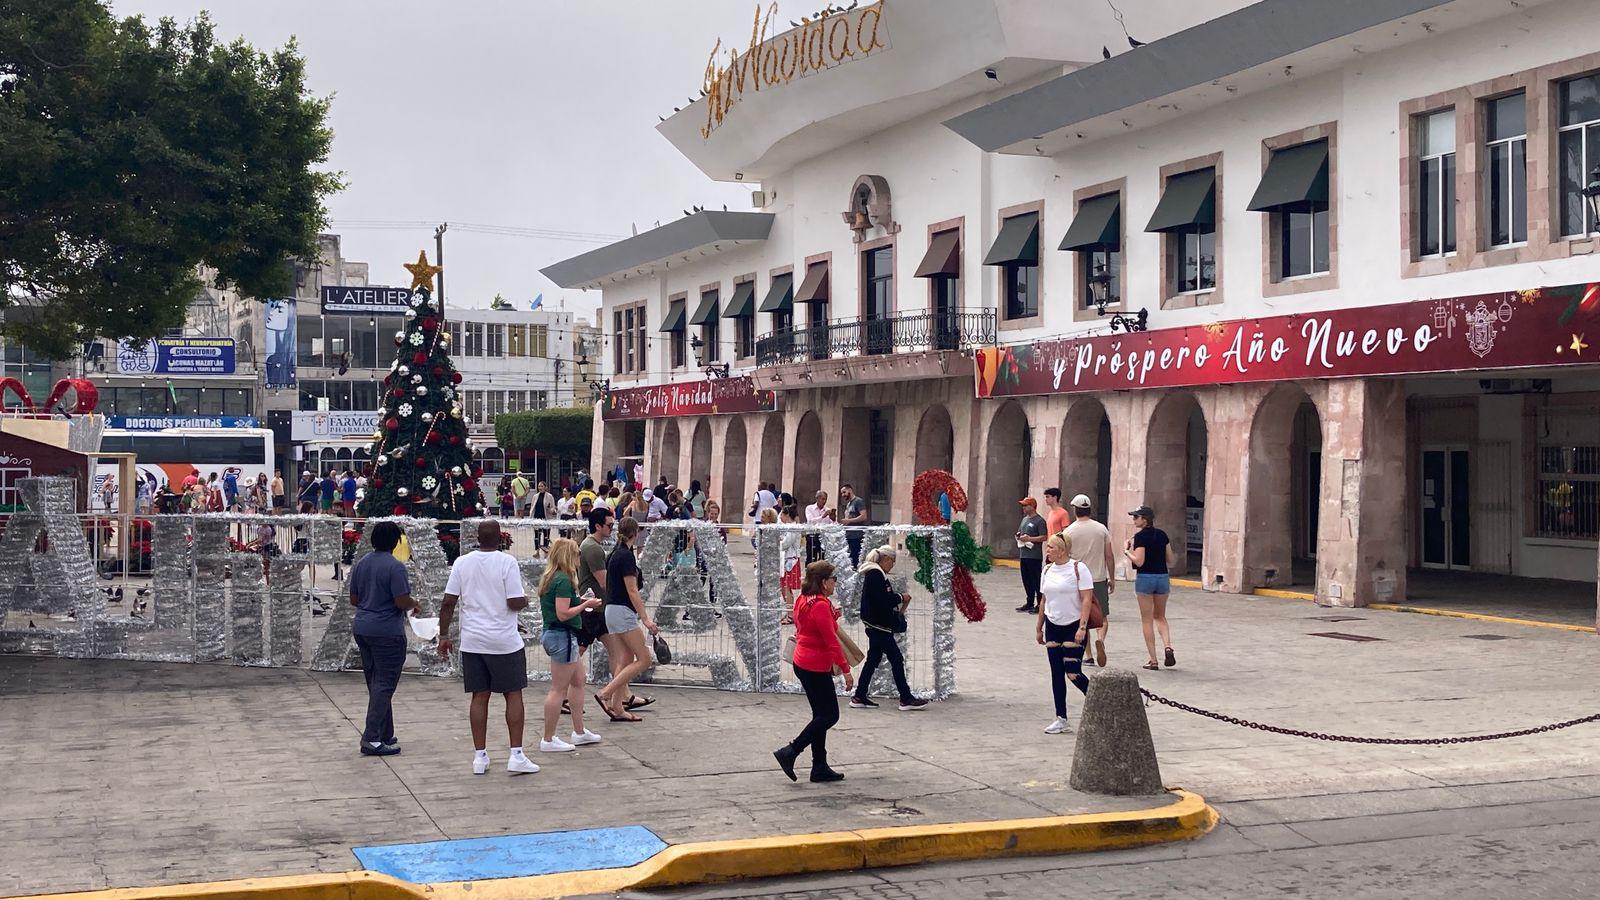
(943, 259)
(815, 288)
(1190, 199)
(1295, 175)
(1097, 224)
(674, 320)
(707, 309)
(1018, 243)
(780, 296)
(743, 303)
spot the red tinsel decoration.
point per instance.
(968, 600)
(925, 491)
(392, 424)
(419, 358)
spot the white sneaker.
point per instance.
(521, 765)
(480, 763)
(556, 745)
(1058, 726)
(579, 738)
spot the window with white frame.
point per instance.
(1436, 183)
(538, 399)
(1578, 153)
(1506, 168)
(1566, 489)
(539, 340)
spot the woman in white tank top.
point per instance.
(1068, 588)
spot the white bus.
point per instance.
(171, 454)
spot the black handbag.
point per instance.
(663, 652)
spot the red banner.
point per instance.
(694, 398)
(1511, 329)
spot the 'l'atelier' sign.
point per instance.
(1511, 329)
(695, 398)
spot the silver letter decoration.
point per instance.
(235, 587)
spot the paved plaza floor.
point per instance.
(122, 774)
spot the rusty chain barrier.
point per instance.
(1352, 739)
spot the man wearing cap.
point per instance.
(1091, 543)
(1057, 519)
(1030, 552)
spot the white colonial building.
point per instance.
(1356, 233)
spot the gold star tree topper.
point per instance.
(422, 273)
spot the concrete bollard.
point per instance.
(1115, 754)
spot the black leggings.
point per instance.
(1066, 663)
(881, 645)
(824, 714)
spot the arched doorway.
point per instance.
(1086, 455)
(1175, 474)
(1009, 454)
(699, 458)
(808, 457)
(1283, 491)
(936, 440)
(667, 461)
(733, 458)
(771, 453)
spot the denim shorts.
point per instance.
(1149, 583)
(620, 619)
(561, 644)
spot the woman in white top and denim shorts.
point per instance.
(1067, 587)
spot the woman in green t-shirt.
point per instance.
(562, 612)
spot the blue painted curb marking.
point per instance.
(513, 856)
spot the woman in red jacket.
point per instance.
(817, 655)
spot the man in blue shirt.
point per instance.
(230, 488)
(329, 488)
(381, 594)
(347, 493)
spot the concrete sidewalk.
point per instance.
(126, 774)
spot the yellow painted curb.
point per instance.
(1005, 563)
(712, 861)
(1259, 592)
(1480, 617)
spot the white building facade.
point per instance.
(950, 223)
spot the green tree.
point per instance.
(131, 154)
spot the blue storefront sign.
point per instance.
(157, 423)
(176, 356)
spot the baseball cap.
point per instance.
(1081, 501)
(1028, 501)
(1143, 512)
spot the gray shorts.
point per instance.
(561, 644)
(1102, 596)
(620, 619)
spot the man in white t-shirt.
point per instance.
(1091, 543)
(765, 499)
(488, 585)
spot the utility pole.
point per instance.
(438, 246)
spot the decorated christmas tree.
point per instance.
(421, 461)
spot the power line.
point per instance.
(584, 237)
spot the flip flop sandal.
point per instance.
(566, 708)
(1153, 667)
(1100, 653)
(1172, 659)
(637, 702)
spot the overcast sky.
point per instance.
(532, 114)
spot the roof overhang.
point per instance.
(701, 234)
(1259, 47)
(933, 53)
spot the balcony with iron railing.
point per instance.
(914, 332)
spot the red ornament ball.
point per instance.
(377, 482)
(455, 440)
(392, 423)
(435, 437)
(469, 510)
(402, 510)
(419, 358)
(468, 484)
(386, 380)
(399, 392)
(430, 323)
(422, 463)
(477, 471)
(455, 377)
(438, 371)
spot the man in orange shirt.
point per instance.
(1058, 518)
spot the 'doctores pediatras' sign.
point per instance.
(1552, 326)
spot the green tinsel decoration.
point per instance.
(967, 553)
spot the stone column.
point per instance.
(1361, 527)
(609, 446)
(907, 421)
(1234, 462)
(1129, 413)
